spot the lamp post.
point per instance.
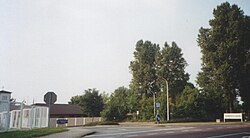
(167, 99)
(167, 102)
(153, 96)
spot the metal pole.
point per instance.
(21, 115)
(154, 103)
(167, 102)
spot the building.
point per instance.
(4, 101)
(4, 109)
(63, 110)
(67, 115)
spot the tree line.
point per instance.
(224, 76)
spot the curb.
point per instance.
(87, 134)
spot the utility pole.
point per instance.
(167, 98)
(167, 101)
(150, 86)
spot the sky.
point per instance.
(68, 46)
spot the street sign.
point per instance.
(157, 105)
(62, 121)
(50, 98)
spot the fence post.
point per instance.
(56, 122)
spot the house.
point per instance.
(63, 110)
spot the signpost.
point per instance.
(157, 105)
(50, 98)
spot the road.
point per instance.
(172, 131)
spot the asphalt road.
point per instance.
(172, 131)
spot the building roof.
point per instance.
(68, 109)
(18, 107)
(3, 91)
(63, 109)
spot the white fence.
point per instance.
(35, 117)
(74, 121)
(4, 120)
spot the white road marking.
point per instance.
(227, 135)
(170, 132)
(152, 134)
(185, 130)
(245, 137)
(138, 132)
(131, 136)
(198, 129)
(119, 129)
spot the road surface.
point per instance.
(172, 131)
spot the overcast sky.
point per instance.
(68, 46)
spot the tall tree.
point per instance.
(143, 68)
(171, 68)
(224, 53)
(245, 73)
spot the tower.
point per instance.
(4, 101)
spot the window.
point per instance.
(4, 97)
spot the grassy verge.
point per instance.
(31, 133)
(102, 123)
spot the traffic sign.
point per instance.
(157, 105)
(62, 121)
(50, 98)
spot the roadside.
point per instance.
(74, 132)
(78, 132)
(153, 124)
(28, 133)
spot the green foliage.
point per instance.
(75, 100)
(31, 133)
(224, 47)
(91, 102)
(151, 68)
(162, 98)
(146, 108)
(117, 107)
(143, 68)
(101, 123)
(196, 106)
(171, 67)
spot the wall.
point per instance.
(74, 121)
(35, 117)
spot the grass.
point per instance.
(102, 123)
(31, 133)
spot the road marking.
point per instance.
(138, 132)
(152, 134)
(185, 130)
(131, 136)
(227, 135)
(120, 129)
(198, 129)
(170, 132)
